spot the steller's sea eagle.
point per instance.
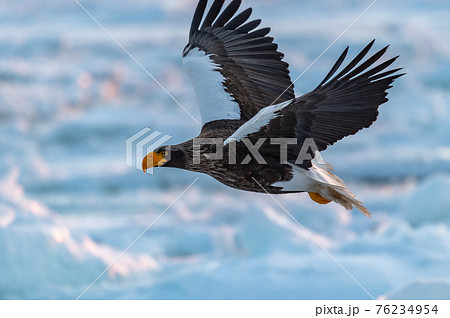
(246, 99)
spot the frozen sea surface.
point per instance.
(70, 97)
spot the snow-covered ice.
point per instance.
(70, 97)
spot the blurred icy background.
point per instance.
(69, 98)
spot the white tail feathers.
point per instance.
(343, 197)
(319, 179)
(332, 188)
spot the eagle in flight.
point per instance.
(254, 128)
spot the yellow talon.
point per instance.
(318, 198)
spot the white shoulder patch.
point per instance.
(214, 102)
(261, 119)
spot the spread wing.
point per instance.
(340, 106)
(235, 68)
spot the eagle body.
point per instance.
(254, 128)
(252, 176)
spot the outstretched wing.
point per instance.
(340, 106)
(235, 69)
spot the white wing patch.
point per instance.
(214, 102)
(261, 119)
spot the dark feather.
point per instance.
(356, 60)
(239, 20)
(366, 64)
(198, 15)
(227, 14)
(335, 67)
(249, 26)
(212, 14)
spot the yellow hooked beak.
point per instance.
(153, 159)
